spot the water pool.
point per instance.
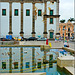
(30, 59)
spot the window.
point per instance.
(63, 27)
(27, 12)
(73, 29)
(39, 12)
(15, 65)
(27, 64)
(51, 20)
(51, 12)
(3, 65)
(68, 29)
(39, 65)
(50, 65)
(51, 57)
(16, 12)
(3, 12)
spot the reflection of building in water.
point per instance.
(50, 65)
(24, 59)
(21, 62)
(10, 60)
(33, 59)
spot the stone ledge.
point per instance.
(70, 69)
(69, 49)
(22, 73)
(65, 61)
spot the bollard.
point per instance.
(47, 42)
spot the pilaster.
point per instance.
(21, 32)
(45, 21)
(33, 21)
(10, 19)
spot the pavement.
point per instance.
(61, 44)
(53, 43)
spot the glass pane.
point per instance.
(39, 65)
(3, 65)
(27, 12)
(16, 12)
(4, 12)
(27, 65)
(51, 56)
(39, 12)
(15, 65)
(51, 12)
(51, 20)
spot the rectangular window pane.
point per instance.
(39, 65)
(27, 64)
(50, 65)
(15, 65)
(27, 12)
(16, 12)
(39, 13)
(51, 12)
(3, 12)
(51, 20)
(3, 65)
(68, 29)
(51, 57)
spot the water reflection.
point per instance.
(33, 60)
(10, 60)
(28, 59)
(21, 64)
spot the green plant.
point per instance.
(71, 19)
(62, 21)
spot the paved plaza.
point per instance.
(53, 43)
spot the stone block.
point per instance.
(65, 61)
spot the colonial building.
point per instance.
(66, 29)
(29, 18)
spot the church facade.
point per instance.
(29, 18)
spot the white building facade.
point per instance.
(29, 18)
